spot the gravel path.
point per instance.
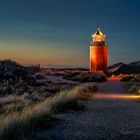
(110, 115)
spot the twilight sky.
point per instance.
(58, 32)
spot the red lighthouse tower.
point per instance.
(98, 52)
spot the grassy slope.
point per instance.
(23, 124)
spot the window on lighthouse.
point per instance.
(98, 38)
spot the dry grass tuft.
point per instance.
(23, 124)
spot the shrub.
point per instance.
(127, 78)
(87, 77)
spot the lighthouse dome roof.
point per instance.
(98, 32)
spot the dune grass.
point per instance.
(23, 124)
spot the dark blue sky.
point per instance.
(58, 32)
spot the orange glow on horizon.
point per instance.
(54, 54)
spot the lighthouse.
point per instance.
(98, 52)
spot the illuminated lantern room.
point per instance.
(98, 38)
(98, 52)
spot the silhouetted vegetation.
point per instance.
(132, 84)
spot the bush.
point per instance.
(134, 78)
(133, 88)
(127, 78)
(87, 77)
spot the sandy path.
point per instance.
(110, 114)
